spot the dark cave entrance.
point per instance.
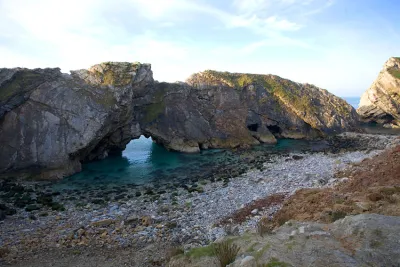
(387, 118)
(275, 130)
(253, 127)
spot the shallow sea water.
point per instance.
(144, 161)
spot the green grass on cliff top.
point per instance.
(395, 72)
(284, 89)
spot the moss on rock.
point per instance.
(21, 82)
(395, 72)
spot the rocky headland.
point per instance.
(51, 122)
(381, 102)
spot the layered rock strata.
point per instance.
(381, 102)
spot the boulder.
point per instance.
(248, 261)
(381, 102)
(357, 240)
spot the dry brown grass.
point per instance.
(373, 187)
(264, 226)
(241, 215)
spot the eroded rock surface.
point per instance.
(52, 122)
(381, 102)
(360, 240)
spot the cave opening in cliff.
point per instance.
(253, 127)
(274, 129)
(387, 118)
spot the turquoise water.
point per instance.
(144, 161)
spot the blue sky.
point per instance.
(339, 45)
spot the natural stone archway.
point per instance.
(51, 122)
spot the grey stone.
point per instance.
(52, 122)
(381, 102)
(248, 261)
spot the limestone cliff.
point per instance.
(381, 102)
(51, 122)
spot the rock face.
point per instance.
(360, 240)
(381, 102)
(51, 122)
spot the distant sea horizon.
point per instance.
(353, 100)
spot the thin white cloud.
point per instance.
(277, 41)
(178, 9)
(260, 25)
(251, 6)
(293, 9)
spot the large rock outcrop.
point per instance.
(359, 240)
(51, 122)
(381, 102)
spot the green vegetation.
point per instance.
(337, 215)
(19, 83)
(117, 75)
(395, 72)
(207, 251)
(290, 245)
(274, 262)
(251, 248)
(225, 252)
(283, 89)
(108, 78)
(154, 110)
(287, 92)
(263, 100)
(244, 80)
(76, 252)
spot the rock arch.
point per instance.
(51, 122)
